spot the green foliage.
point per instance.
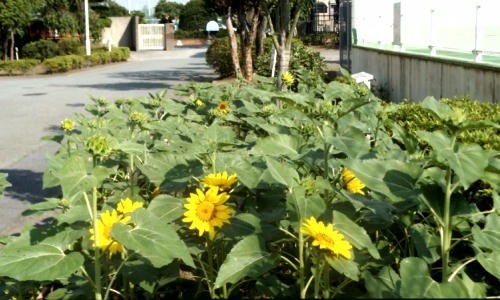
(164, 8)
(41, 49)
(3, 183)
(18, 66)
(194, 16)
(413, 117)
(114, 10)
(330, 39)
(193, 34)
(413, 229)
(70, 45)
(63, 63)
(219, 57)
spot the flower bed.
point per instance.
(246, 191)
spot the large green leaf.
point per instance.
(393, 178)
(336, 89)
(246, 259)
(352, 142)
(152, 238)
(220, 135)
(427, 244)
(278, 145)
(167, 208)
(302, 206)
(417, 283)
(441, 110)
(383, 285)
(347, 267)
(48, 259)
(74, 178)
(489, 236)
(354, 233)
(489, 261)
(283, 173)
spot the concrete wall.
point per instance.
(121, 32)
(414, 76)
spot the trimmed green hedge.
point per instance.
(66, 63)
(18, 66)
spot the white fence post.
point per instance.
(432, 35)
(478, 35)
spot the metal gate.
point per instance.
(151, 37)
(345, 40)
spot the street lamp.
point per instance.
(87, 30)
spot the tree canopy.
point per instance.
(164, 8)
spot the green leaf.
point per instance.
(394, 179)
(53, 138)
(489, 261)
(441, 110)
(3, 183)
(383, 285)
(354, 233)
(427, 244)
(37, 208)
(152, 239)
(336, 89)
(489, 237)
(167, 208)
(347, 267)
(304, 207)
(246, 259)
(74, 178)
(131, 147)
(352, 142)
(469, 163)
(283, 173)
(277, 145)
(46, 260)
(248, 174)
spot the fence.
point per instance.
(467, 29)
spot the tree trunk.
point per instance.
(248, 39)
(284, 54)
(12, 44)
(261, 34)
(234, 45)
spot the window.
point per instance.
(320, 8)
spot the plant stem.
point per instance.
(446, 230)
(301, 266)
(97, 252)
(317, 276)
(210, 272)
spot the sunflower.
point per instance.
(127, 206)
(223, 107)
(104, 226)
(199, 102)
(325, 237)
(221, 180)
(352, 183)
(67, 125)
(205, 211)
(287, 78)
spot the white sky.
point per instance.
(139, 4)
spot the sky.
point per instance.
(139, 4)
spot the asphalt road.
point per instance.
(33, 106)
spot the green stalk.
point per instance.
(317, 276)
(210, 272)
(97, 252)
(446, 230)
(301, 266)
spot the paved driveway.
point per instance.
(33, 106)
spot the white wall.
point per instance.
(453, 21)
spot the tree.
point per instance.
(194, 16)
(167, 8)
(15, 17)
(286, 15)
(114, 10)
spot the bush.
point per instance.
(219, 57)
(329, 39)
(18, 66)
(71, 45)
(413, 117)
(302, 58)
(191, 34)
(41, 50)
(63, 63)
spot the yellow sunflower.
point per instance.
(223, 107)
(287, 78)
(126, 206)
(104, 226)
(325, 237)
(199, 102)
(205, 211)
(67, 125)
(352, 184)
(221, 180)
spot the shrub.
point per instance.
(21, 66)
(41, 49)
(71, 45)
(62, 63)
(413, 117)
(329, 39)
(190, 34)
(219, 57)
